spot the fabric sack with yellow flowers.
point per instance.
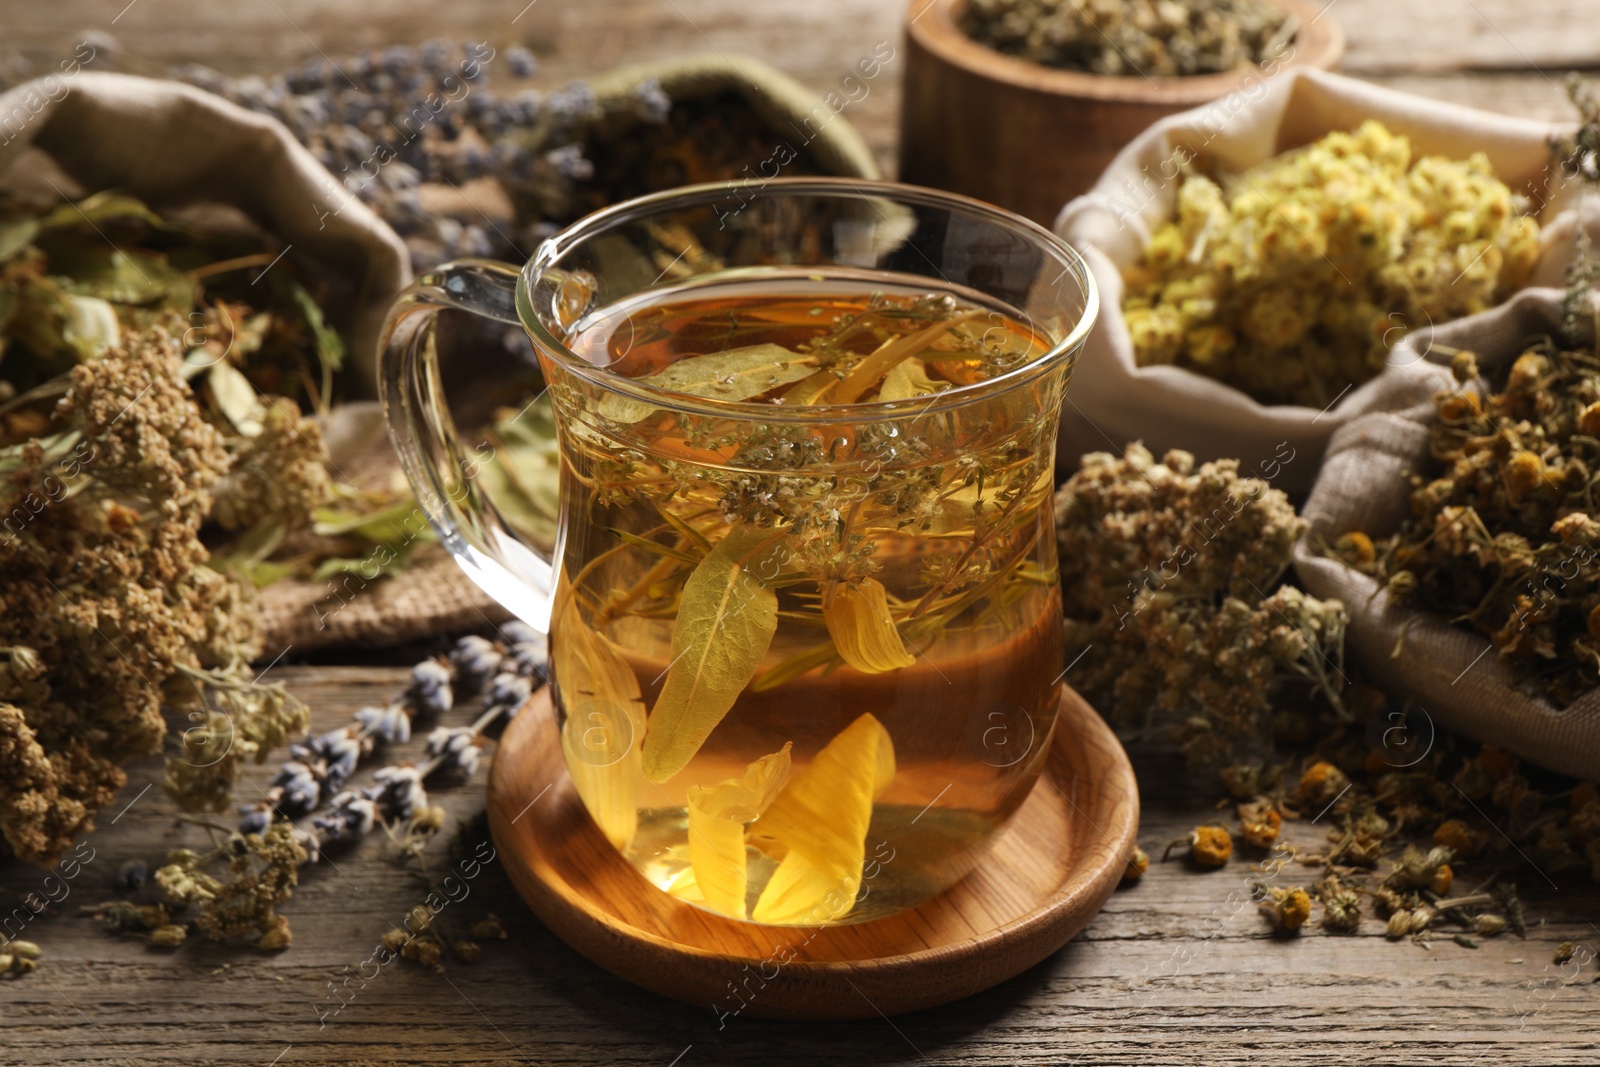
(1260, 256)
(1462, 532)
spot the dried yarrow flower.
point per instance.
(1169, 578)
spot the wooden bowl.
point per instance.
(1050, 872)
(1030, 138)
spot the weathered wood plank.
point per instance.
(1178, 967)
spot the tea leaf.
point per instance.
(737, 374)
(862, 629)
(605, 720)
(16, 235)
(236, 398)
(817, 827)
(872, 369)
(725, 623)
(908, 381)
(717, 815)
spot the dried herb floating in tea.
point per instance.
(1150, 38)
(1290, 281)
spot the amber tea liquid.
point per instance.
(806, 665)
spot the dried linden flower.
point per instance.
(1291, 280)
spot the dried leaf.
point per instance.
(737, 374)
(90, 326)
(726, 620)
(817, 827)
(16, 235)
(604, 721)
(863, 630)
(236, 398)
(908, 381)
(717, 817)
(870, 371)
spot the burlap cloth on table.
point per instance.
(1112, 399)
(432, 595)
(1449, 669)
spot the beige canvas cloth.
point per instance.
(1449, 669)
(178, 147)
(1112, 401)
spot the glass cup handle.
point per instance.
(442, 473)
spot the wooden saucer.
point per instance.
(1051, 871)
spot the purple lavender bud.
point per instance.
(351, 815)
(389, 724)
(516, 631)
(430, 688)
(131, 876)
(476, 660)
(454, 749)
(255, 819)
(399, 793)
(509, 691)
(651, 103)
(298, 787)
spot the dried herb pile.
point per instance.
(452, 146)
(1153, 38)
(1505, 524)
(1170, 578)
(1291, 280)
(127, 432)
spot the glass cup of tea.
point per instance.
(803, 603)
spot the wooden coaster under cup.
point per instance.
(1052, 869)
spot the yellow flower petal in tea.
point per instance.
(605, 722)
(817, 827)
(737, 374)
(862, 629)
(725, 622)
(685, 887)
(717, 815)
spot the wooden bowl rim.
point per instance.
(1089, 884)
(932, 24)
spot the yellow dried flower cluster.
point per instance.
(1291, 280)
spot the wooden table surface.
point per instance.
(1178, 969)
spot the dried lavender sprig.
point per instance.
(320, 767)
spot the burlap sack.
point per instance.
(432, 595)
(1449, 669)
(1113, 400)
(178, 147)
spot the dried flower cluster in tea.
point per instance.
(1133, 38)
(1291, 280)
(759, 618)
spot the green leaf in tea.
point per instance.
(734, 375)
(908, 381)
(725, 624)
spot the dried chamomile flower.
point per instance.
(1138, 863)
(1170, 572)
(1321, 783)
(1287, 909)
(1209, 846)
(1291, 280)
(1341, 911)
(1259, 824)
(1503, 523)
(1132, 38)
